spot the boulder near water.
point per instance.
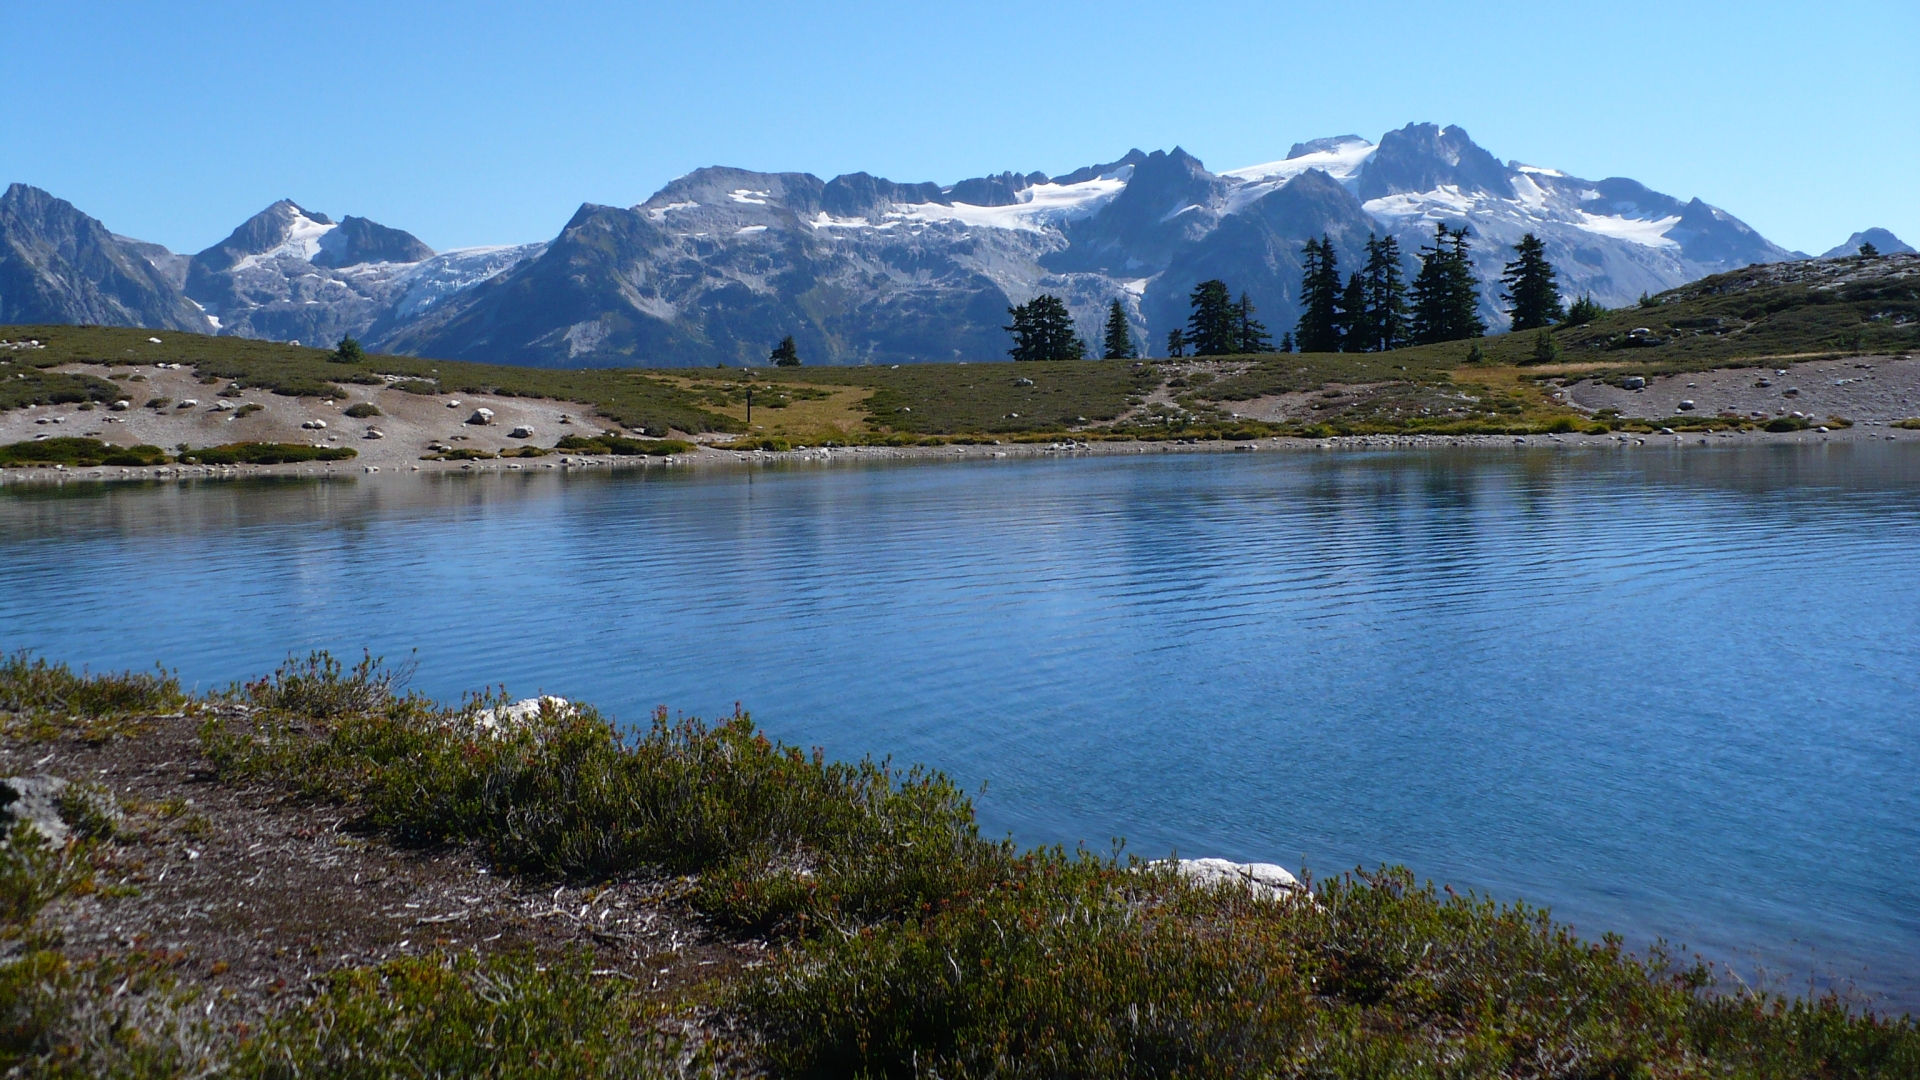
(1267, 881)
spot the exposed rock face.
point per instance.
(36, 801)
(57, 265)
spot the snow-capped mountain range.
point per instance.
(722, 262)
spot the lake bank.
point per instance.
(709, 455)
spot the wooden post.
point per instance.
(749, 406)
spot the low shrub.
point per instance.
(463, 453)
(33, 687)
(424, 387)
(82, 452)
(362, 410)
(262, 453)
(1912, 423)
(457, 1016)
(779, 838)
(621, 446)
(247, 410)
(1786, 423)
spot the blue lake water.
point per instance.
(1666, 692)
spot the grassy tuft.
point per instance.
(52, 697)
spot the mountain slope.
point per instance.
(57, 265)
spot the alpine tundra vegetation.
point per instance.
(852, 918)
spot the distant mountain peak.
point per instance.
(1426, 157)
(1883, 241)
(1331, 145)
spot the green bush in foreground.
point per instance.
(261, 453)
(79, 452)
(508, 1018)
(778, 837)
(34, 688)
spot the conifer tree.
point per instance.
(1385, 325)
(1176, 344)
(1253, 333)
(1119, 343)
(1214, 327)
(785, 354)
(1463, 291)
(1583, 311)
(1319, 328)
(1043, 329)
(1286, 342)
(1868, 251)
(348, 351)
(1445, 301)
(1545, 349)
(1530, 286)
(1352, 319)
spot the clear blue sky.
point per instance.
(480, 122)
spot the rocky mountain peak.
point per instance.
(58, 265)
(1883, 241)
(358, 241)
(1423, 157)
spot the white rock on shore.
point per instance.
(505, 718)
(1267, 881)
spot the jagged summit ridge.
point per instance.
(859, 268)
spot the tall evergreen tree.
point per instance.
(1445, 301)
(1286, 342)
(1253, 333)
(1530, 286)
(1043, 330)
(1319, 327)
(1119, 343)
(1176, 344)
(1214, 327)
(1463, 290)
(785, 354)
(1352, 318)
(1385, 301)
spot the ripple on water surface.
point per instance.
(1670, 693)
